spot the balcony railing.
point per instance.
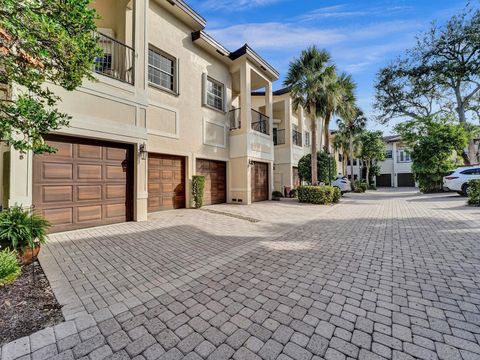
(297, 138)
(260, 122)
(233, 117)
(278, 136)
(118, 60)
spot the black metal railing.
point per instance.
(278, 136)
(118, 60)
(297, 138)
(234, 119)
(260, 122)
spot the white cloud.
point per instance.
(236, 5)
(275, 36)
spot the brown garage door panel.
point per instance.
(384, 180)
(85, 183)
(405, 180)
(259, 181)
(166, 182)
(215, 173)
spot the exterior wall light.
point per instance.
(143, 151)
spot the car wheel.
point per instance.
(465, 189)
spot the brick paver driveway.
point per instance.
(384, 275)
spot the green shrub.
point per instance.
(359, 186)
(9, 267)
(474, 192)
(20, 229)
(372, 187)
(293, 193)
(324, 161)
(337, 195)
(198, 188)
(316, 194)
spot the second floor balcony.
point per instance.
(117, 61)
(296, 138)
(260, 122)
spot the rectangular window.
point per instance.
(389, 154)
(403, 156)
(215, 94)
(307, 138)
(162, 70)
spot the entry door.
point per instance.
(259, 180)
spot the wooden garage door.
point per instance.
(259, 181)
(384, 180)
(405, 180)
(85, 183)
(215, 173)
(166, 182)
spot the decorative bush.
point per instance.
(20, 229)
(372, 187)
(321, 195)
(323, 172)
(337, 194)
(474, 192)
(359, 186)
(276, 195)
(9, 267)
(198, 188)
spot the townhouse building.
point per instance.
(168, 102)
(395, 170)
(292, 139)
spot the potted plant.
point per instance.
(276, 195)
(23, 232)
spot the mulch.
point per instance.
(27, 305)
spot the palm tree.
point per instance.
(307, 79)
(340, 144)
(352, 126)
(339, 100)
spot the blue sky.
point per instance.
(361, 35)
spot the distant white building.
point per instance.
(396, 169)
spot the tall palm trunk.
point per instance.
(327, 131)
(367, 174)
(314, 145)
(351, 157)
(344, 163)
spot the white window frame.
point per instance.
(205, 93)
(174, 76)
(307, 138)
(406, 156)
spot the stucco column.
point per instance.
(20, 179)
(141, 50)
(394, 158)
(245, 98)
(269, 113)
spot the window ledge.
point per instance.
(214, 109)
(161, 88)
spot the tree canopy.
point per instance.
(372, 149)
(440, 75)
(41, 43)
(433, 143)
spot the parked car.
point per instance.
(458, 179)
(342, 183)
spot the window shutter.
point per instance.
(204, 88)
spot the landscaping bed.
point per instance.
(27, 305)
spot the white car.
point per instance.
(458, 179)
(342, 183)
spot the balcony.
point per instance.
(296, 138)
(118, 60)
(278, 136)
(260, 122)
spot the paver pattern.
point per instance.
(384, 275)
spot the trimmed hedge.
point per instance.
(198, 187)
(337, 195)
(321, 195)
(359, 186)
(474, 192)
